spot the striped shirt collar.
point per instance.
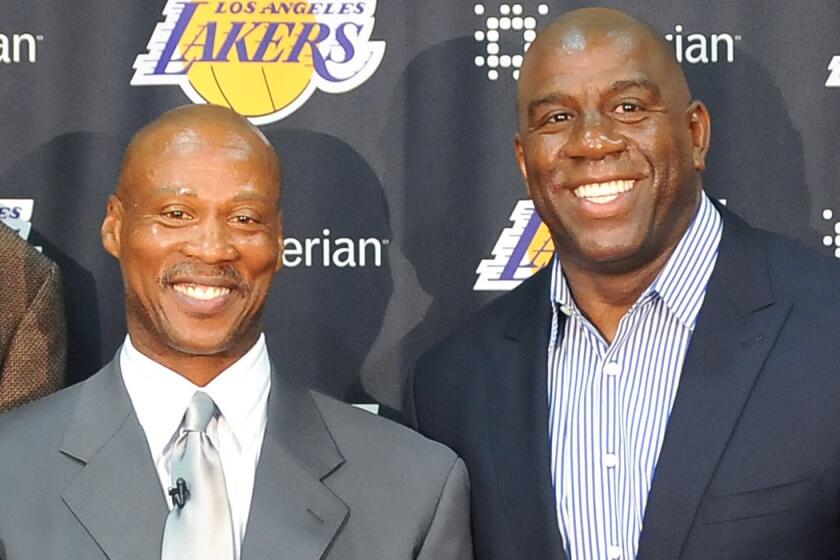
(682, 281)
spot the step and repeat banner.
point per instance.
(395, 120)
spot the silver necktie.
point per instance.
(199, 526)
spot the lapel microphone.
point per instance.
(179, 493)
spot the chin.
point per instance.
(201, 345)
(611, 257)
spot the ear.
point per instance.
(111, 226)
(700, 125)
(280, 245)
(520, 160)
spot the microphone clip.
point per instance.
(179, 493)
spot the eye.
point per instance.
(627, 107)
(559, 117)
(244, 217)
(176, 215)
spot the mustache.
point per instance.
(188, 269)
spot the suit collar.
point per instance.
(293, 509)
(518, 410)
(117, 497)
(116, 494)
(736, 329)
(531, 300)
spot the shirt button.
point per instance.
(612, 368)
(614, 552)
(611, 460)
(567, 311)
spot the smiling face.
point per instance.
(196, 227)
(609, 142)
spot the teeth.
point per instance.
(201, 292)
(601, 193)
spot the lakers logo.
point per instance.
(262, 58)
(522, 250)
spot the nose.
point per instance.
(211, 241)
(593, 136)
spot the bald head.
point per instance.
(610, 144)
(586, 29)
(186, 130)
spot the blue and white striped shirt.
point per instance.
(609, 403)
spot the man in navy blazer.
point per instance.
(746, 451)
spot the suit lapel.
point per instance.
(293, 513)
(116, 496)
(518, 406)
(736, 329)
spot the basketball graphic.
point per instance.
(251, 87)
(264, 59)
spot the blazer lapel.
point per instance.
(116, 495)
(293, 513)
(518, 406)
(736, 329)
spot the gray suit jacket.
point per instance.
(77, 481)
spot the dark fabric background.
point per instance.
(420, 155)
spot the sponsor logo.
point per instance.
(700, 48)
(522, 250)
(517, 24)
(833, 79)
(329, 251)
(19, 47)
(832, 241)
(262, 58)
(17, 214)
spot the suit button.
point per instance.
(611, 460)
(614, 552)
(612, 368)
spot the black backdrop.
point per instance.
(397, 140)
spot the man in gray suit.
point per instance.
(192, 407)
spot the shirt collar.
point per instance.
(160, 396)
(682, 281)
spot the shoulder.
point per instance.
(361, 434)
(19, 254)
(36, 427)
(507, 313)
(391, 476)
(796, 266)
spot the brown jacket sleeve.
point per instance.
(33, 338)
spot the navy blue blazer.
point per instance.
(750, 464)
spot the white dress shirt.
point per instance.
(609, 402)
(160, 397)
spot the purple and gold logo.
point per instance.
(262, 58)
(521, 251)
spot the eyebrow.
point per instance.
(183, 191)
(641, 83)
(550, 99)
(249, 194)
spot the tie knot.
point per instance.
(199, 412)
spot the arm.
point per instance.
(35, 360)
(449, 536)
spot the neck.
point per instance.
(604, 298)
(199, 369)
